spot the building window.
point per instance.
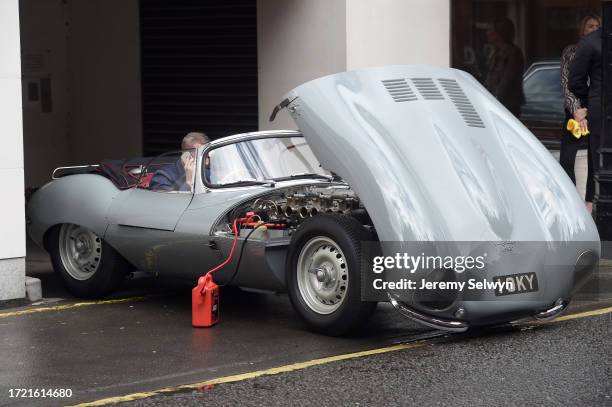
(539, 30)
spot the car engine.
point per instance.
(285, 210)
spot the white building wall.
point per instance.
(391, 32)
(12, 221)
(298, 40)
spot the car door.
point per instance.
(143, 219)
(147, 209)
(162, 194)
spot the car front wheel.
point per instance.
(324, 274)
(88, 266)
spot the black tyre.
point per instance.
(88, 266)
(323, 273)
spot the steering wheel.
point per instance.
(236, 176)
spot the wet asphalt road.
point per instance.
(561, 364)
(107, 350)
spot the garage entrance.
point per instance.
(122, 78)
(199, 70)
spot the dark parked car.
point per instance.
(543, 111)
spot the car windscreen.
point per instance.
(261, 160)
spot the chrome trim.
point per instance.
(587, 253)
(437, 323)
(252, 136)
(53, 174)
(554, 312)
(584, 269)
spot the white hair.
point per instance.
(192, 138)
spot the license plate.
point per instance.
(516, 284)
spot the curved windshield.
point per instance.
(262, 160)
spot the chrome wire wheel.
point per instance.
(80, 251)
(322, 275)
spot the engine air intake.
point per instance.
(399, 90)
(462, 103)
(427, 88)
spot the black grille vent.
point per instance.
(199, 69)
(462, 103)
(427, 88)
(399, 90)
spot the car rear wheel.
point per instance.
(323, 274)
(88, 266)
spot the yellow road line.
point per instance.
(252, 375)
(300, 366)
(605, 263)
(69, 306)
(585, 314)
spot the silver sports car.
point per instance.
(391, 154)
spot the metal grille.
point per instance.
(462, 103)
(427, 88)
(399, 90)
(199, 69)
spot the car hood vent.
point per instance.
(427, 88)
(399, 90)
(462, 103)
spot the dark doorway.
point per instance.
(199, 69)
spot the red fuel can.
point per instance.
(205, 302)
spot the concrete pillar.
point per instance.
(297, 40)
(300, 40)
(12, 217)
(392, 32)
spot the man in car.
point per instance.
(179, 176)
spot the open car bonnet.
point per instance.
(435, 157)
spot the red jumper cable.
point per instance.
(205, 295)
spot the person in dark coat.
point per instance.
(585, 82)
(574, 110)
(179, 176)
(506, 66)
